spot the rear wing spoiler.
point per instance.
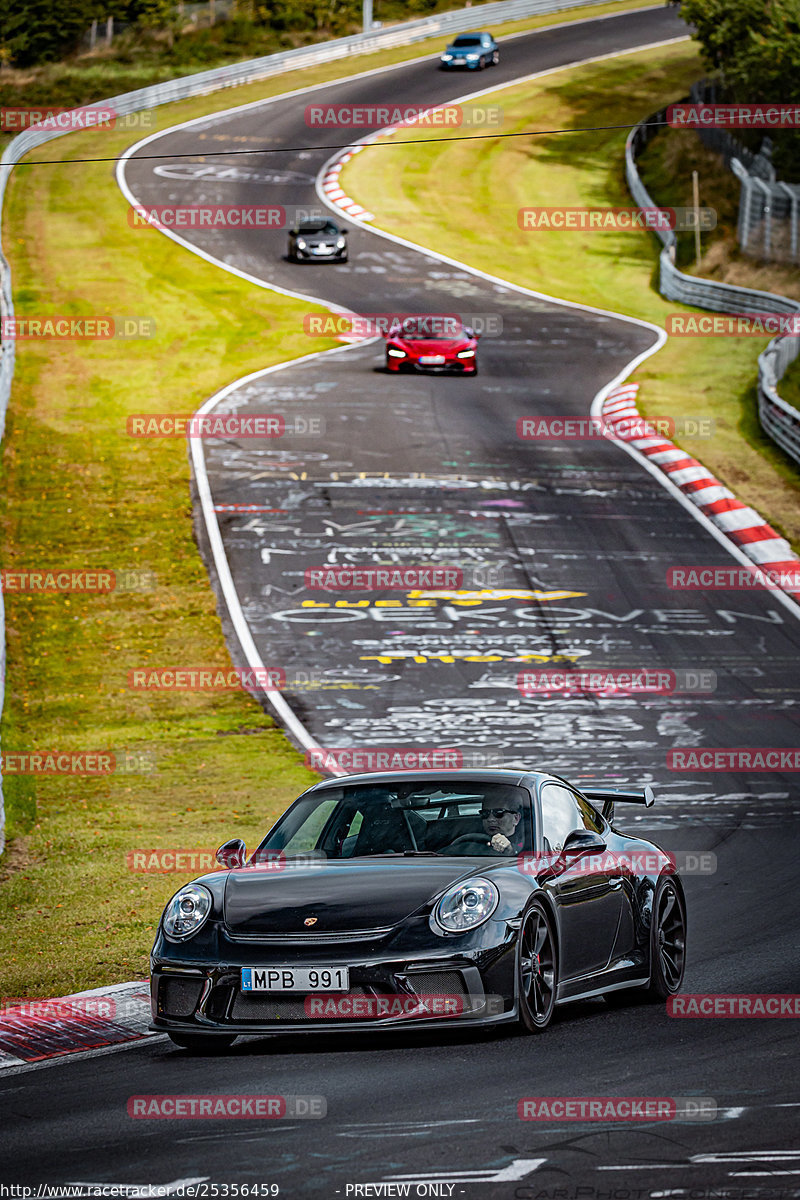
(608, 796)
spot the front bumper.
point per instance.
(314, 254)
(469, 988)
(458, 366)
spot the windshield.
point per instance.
(467, 41)
(405, 819)
(417, 329)
(327, 227)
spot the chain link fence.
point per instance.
(767, 226)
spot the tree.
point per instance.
(36, 31)
(754, 48)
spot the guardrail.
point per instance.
(779, 420)
(205, 82)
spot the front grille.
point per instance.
(280, 1008)
(309, 939)
(437, 983)
(178, 997)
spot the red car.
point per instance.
(431, 343)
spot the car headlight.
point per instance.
(301, 244)
(466, 905)
(340, 243)
(393, 352)
(186, 912)
(446, 57)
(466, 354)
(473, 56)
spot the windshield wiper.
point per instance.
(404, 854)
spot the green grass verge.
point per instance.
(78, 492)
(494, 178)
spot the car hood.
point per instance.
(463, 51)
(343, 896)
(433, 345)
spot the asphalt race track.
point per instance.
(415, 470)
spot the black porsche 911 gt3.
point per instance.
(466, 897)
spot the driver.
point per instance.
(501, 833)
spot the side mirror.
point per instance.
(344, 231)
(232, 854)
(583, 841)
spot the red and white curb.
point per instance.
(33, 1030)
(337, 197)
(336, 194)
(331, 184)
(742, 525)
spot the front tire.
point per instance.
(201, 1043)
(537, 969)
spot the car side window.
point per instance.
(560, 815)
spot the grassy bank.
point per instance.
(709, 377)
(79, 493)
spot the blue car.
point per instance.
(473, 51)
